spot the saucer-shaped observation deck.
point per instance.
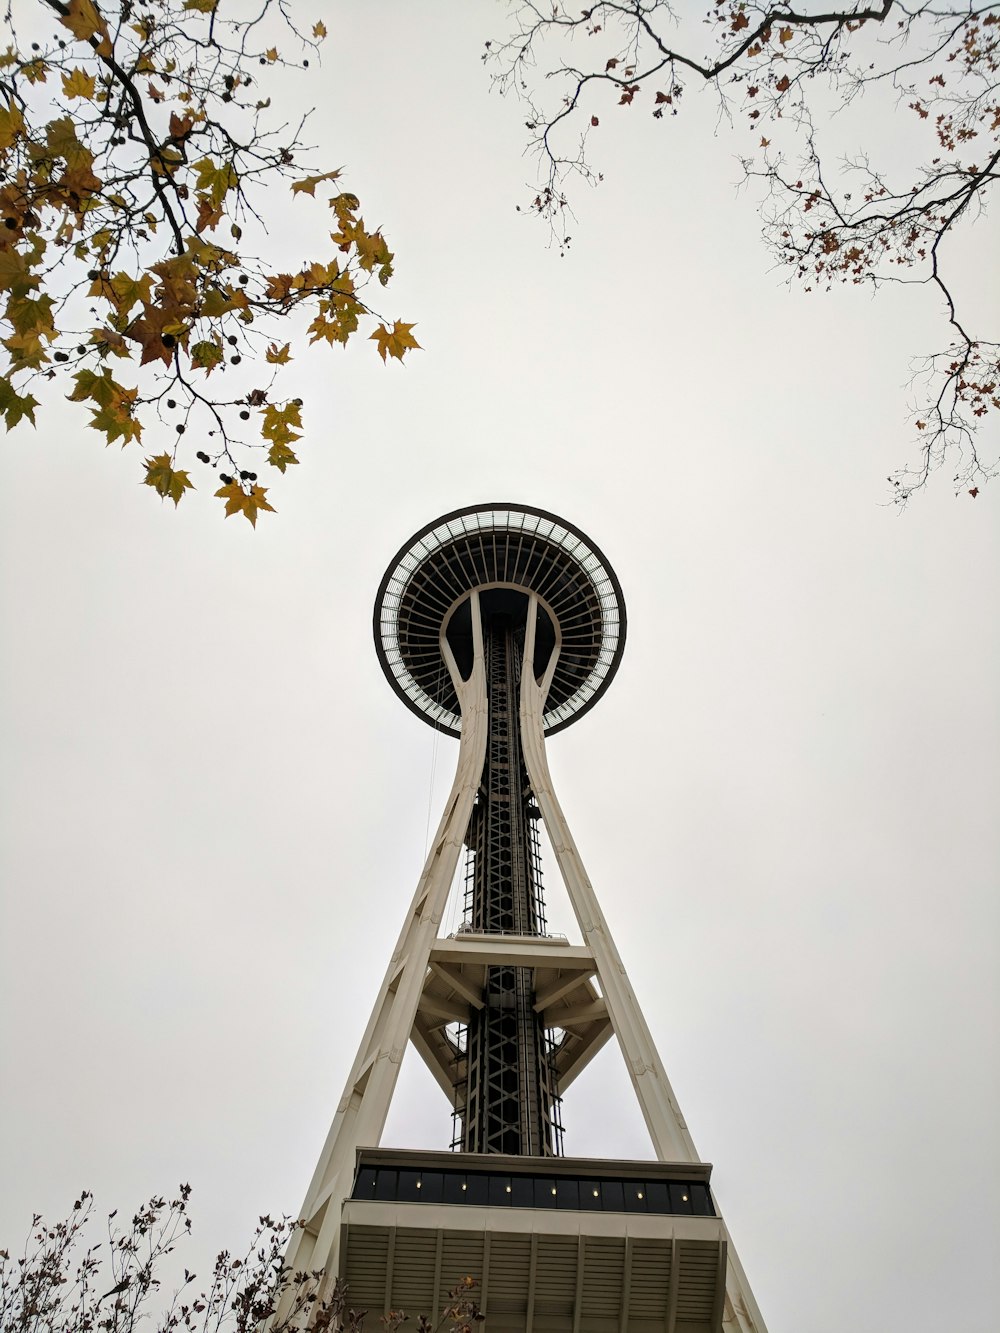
(510, 549)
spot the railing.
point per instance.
(520, 934)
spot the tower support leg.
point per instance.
(361, 1114)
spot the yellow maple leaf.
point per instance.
(15, 275)
(125, 290)
(14, 408)
(167, 483)
(215, 179)
(280, 456)
(201, 6)
(279, 424)
(309, 183)
(395, 341)
(84, 21)
(319, 31)
(278, 356)
(271, 54)
(11, 124)
(249, 503)
(78, 83)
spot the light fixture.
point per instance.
(465, 1187)
(553, 1189)
(639, 1195)
(508, 1189)
(419, 1184)
(595, 1193)
(684, 1197)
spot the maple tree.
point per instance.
(63, 1280)
(137, 140)
(782, 72)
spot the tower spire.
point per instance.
(502, 624)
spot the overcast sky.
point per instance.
(216, 810)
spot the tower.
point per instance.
(501, 625)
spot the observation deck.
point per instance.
(508, 548)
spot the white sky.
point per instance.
(215, 808)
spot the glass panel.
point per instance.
(385, 1183)
(590, 1194)
(478, 1191)
(545, 1192)
(522, 1191)
(701, 1201)
(408, 1189)
(680, 1197)
(454, 1187)
(657, 1196)
(612, 1196)
(499, 1192)
(364, 1187)
(433, 1184)
(568, 1193)
(635, 1196)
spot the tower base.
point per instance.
(567, 1245)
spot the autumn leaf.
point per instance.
(280, 456)
(319, 31)
(78, 84)
(785, 36)
(248, 503)
(11, 125)
(783, 84)
(154, 329)
(15, 275)
(206, 356)
(395, 341)
(180, 126)
(201, 6)
(84, 21)
(209, 214)
(308, 184)
(279, 424)
(165, 481)
(125, 291)
(60, 136)
(215, 179)
(15, 408)
(278, 356)
(115, 423)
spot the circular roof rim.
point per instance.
(493, 507)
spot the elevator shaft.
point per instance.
(511, 1094)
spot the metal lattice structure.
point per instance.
(510, 1083)
(502, 624)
